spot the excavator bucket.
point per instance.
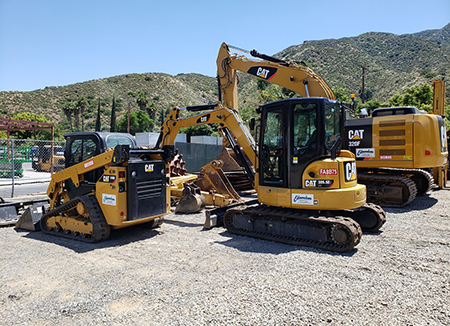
(213, 178)
(191, 201)
(234, 170)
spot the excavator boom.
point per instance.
(298, 78)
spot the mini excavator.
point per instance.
(307, 188)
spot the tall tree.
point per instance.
(82, 104)
(76, 115)
(98, 123)
(29, 134)
(142, 101)
(139, 121)
(420, 96)
(113, 116)
(68, 110)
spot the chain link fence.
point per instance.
(26, 165)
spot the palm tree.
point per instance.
(76, 114)
(81, 105)
(142, 101)
(68, 109)
(151, 110)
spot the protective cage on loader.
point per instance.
(107, 184)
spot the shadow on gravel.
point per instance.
(247, 244)
(182, 224)
(117, 238)
(420, 203)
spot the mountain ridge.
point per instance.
(392, 63)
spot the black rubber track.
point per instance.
(380, 181)
(101, 229)
(301, 219)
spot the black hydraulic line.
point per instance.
(256, 54)
(237, 150)
(204, 107)
(219, 90)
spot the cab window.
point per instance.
(114, 140)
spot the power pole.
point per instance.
(128, 120)
(363, 80)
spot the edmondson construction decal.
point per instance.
(303, 199)
(108, 199)
(365, 152)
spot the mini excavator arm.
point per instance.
(212, 179)
(291, 75)
(227, 119)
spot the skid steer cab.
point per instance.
(82, 146)
(108, 183)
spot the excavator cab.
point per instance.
(294, 133)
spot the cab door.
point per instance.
(273, 171)
(273, 188)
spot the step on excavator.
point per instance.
(400, 151)
(107, 184)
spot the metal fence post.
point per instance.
(12, 170)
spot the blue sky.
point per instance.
(60, 42)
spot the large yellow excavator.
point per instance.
(400, 152)
(307, 189)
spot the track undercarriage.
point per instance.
(293, 226)
(370, 217)
(391, 187)
(80, 218)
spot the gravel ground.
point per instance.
(180, 274)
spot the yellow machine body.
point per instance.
(118, 188)
(402, 141)
(339, 194)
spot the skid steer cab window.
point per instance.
(114, 140)
(332, 123)
(81, 150)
